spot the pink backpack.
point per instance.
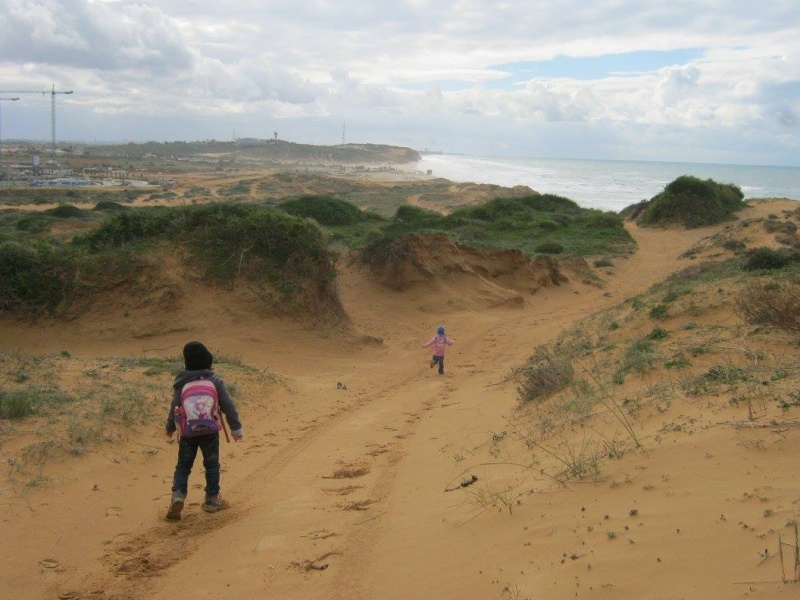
(198, 413)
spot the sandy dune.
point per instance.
(347, 485)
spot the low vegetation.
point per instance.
(631, 363)
(16, 196)
(774, 304)
(688, 201)
(289, 243)
(227, 241)
(534, 224)
(327, 210)
(283, 243)
(77, 404)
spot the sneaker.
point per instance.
(212, 503)
(176, 506)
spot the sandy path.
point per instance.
(297, 531)
(335, 493)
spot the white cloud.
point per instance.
(430, 68)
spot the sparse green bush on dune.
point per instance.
(538, 223)
(415, 215)
(229, 239)
(689, 201)
(130, 227)
(108, 205)
(774, 304)
(34, 223)
(547, 371)
(226, 240)
(34, 278)
(327, 210)
(549, 248)
(763, 259)
(66, 211)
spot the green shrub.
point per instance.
(34, 278)
(735, 246)
(240, 188)
(596, 219)
(325, 210)
(414, 215)
(35, 223)
(723, 374)
(268, 242)
(66, 211)
(776, 304)
(108, 205)
(130, 227)
(29, 401)
(17, 405)
(551, 203)
(657, 333)
(229, 240)
(545, 373)
(659, 311)
(638, 356)
(767, 258)
(385, 252)
(517, 222)
(549, 248)
(691, 202)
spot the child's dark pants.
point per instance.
(187, 451)
(440, 361)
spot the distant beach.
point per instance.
(607, 184)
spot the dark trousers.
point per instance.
(440, 361)
(187, 452)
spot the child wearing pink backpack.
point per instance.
(439, 342)
(199, 396)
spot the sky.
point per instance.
(714, 81)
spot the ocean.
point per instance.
(608, 184)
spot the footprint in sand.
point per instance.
(359, 505)
(48, 563)
(113, 511)
(378, 449)
(344, 491)
(349, 472)
(320, 563)
(322, 534)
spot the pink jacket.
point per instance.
(439, 343)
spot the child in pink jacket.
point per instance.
(439, 342)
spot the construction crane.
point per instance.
(53, 91)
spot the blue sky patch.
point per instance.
(597, 67)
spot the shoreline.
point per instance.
(609, 184)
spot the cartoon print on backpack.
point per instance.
(198, 413)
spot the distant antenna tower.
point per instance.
(53, 91)
(343, 124)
